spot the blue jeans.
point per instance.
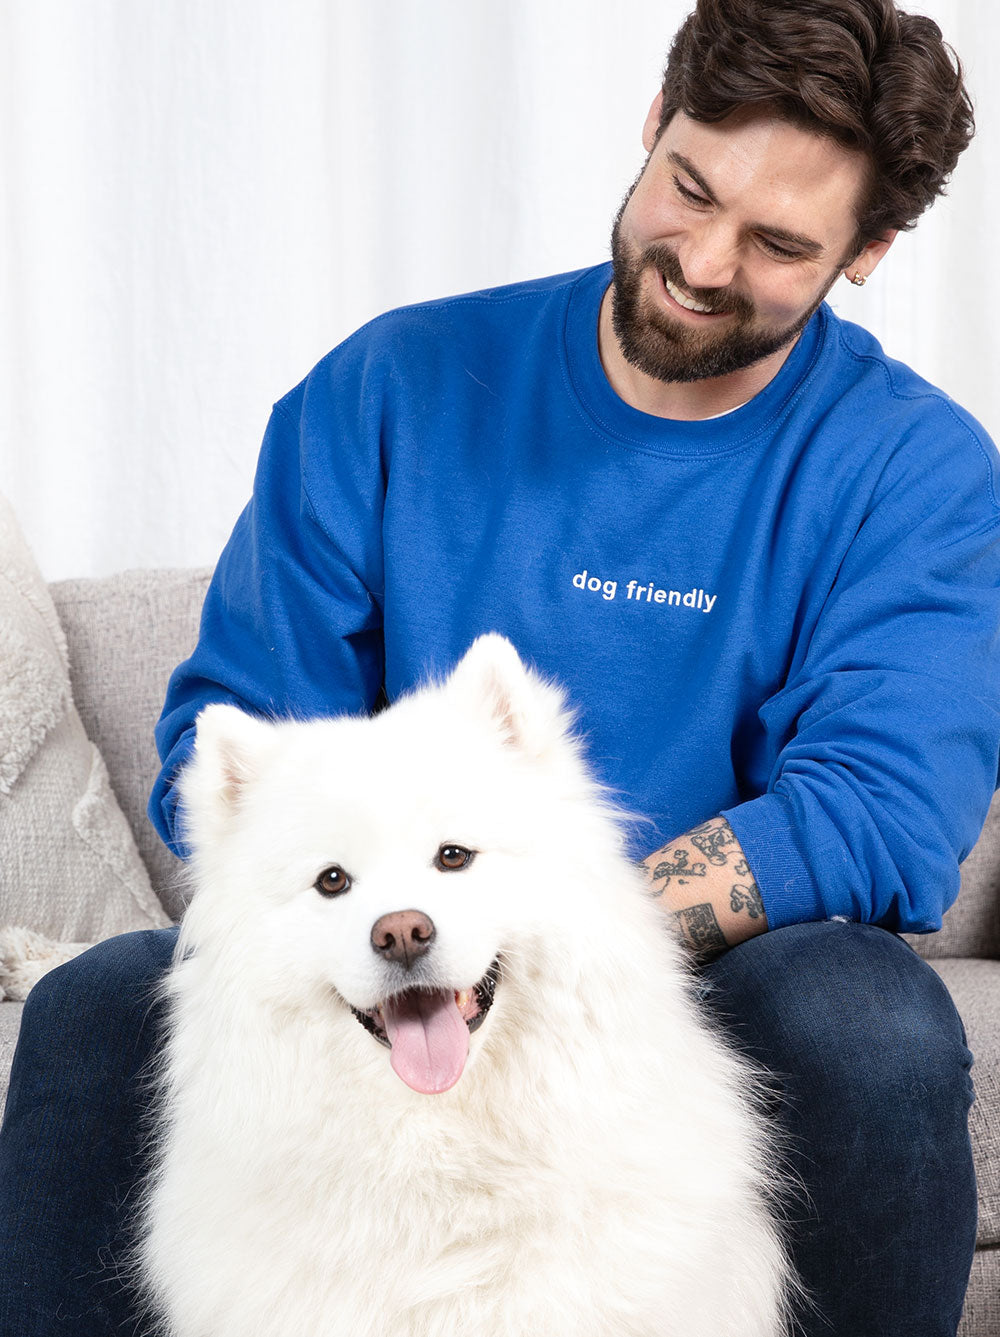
(871, 1081)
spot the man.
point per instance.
(764, 558)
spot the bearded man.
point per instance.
(763, 556)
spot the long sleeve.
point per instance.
(889, 722)
(292, 619)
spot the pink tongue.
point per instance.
(429, 1038)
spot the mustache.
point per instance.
(716, 299)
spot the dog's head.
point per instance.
(405, 863)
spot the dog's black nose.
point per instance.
(403, 936)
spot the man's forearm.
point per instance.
(703, 879)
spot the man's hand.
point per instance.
(703, 879)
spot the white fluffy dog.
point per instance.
(433, 1065)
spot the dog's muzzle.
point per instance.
(424, 1029)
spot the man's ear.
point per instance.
(651, 128)
(869, 256)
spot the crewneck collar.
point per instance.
(671, 436)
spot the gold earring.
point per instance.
(858, 280)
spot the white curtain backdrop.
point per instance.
(198, 198)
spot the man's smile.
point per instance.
(680, 298)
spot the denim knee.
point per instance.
(852, 1008)
(99, 990)
(117, 963)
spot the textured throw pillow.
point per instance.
(69, 868)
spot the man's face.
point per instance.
(750, 220)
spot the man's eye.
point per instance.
(780, 251)
(450, 858)
(686, 193)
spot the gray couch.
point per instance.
(127, 632)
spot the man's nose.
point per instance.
(709, 258)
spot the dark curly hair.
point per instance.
(859, 71)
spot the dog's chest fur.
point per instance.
(523, 1201)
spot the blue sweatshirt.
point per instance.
(789, 615)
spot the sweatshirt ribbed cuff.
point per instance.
(787, 887)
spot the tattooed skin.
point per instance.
(746, 898)
(680, 868)
(700, 930)
(677, 866)
(712, 841)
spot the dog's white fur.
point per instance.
(597, 1171)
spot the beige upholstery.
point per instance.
(69, 867)
(126, 635)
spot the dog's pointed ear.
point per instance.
(527, 712)
(229, 751)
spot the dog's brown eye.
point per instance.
(450, 857)
(332, 881)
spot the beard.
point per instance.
(664, 347)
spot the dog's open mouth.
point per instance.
(428, 1030)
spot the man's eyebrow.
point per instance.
(686, 165)
(806, 244)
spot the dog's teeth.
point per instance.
(462, 997)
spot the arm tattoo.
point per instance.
(746, 898)
(700, 929)
(712, 841)
(678, 865)
(679, 868)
